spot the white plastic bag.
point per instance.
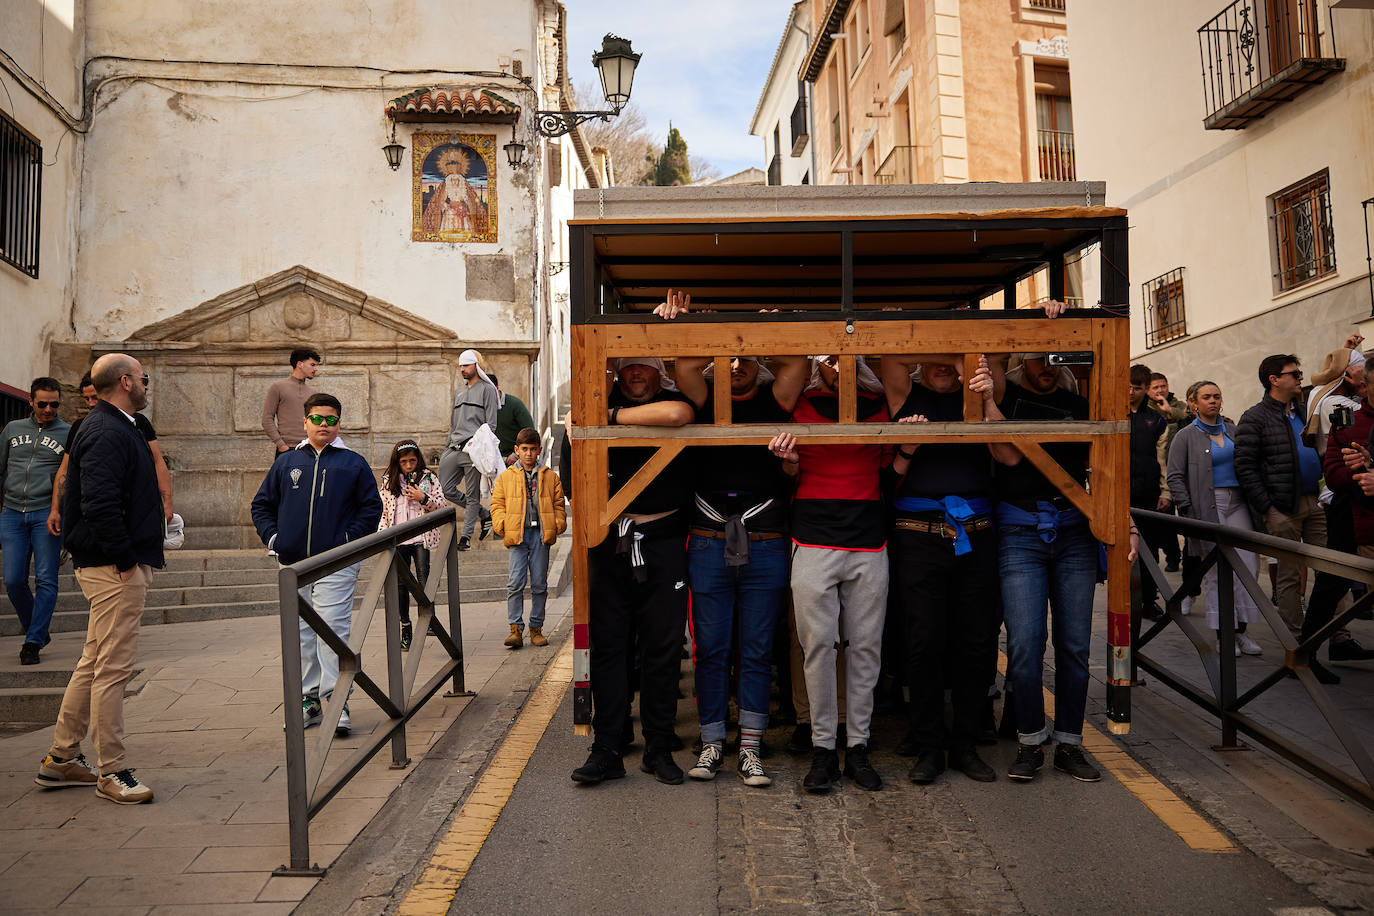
(485, 451)
(174, 532)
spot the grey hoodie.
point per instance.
(29, 457)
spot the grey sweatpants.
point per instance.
(462, 484)
(840, 598)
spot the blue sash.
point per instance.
(957, 510)
(1046, 520)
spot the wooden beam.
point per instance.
(722, 408)
(635, 485)
(1056, 475)
(849, 389)
(973, 401)
(887, 433)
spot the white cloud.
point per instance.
(703, 67)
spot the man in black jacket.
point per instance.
(1279, 474)
(113, 529)
(1149, 444)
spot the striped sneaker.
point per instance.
(58, 774)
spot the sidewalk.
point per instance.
(204, 732)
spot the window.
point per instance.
(865, 39)
(21, 185)
(1164, 316)
(1304, 245)
(835, 137)
(894, 26)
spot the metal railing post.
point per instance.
(395, 672)
(297, 800)
(455, 618)
(1226, 643)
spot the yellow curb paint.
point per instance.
(1176, 814)
(433, 891)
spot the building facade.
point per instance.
(214, 193)
(782, 118)
(1238, 135)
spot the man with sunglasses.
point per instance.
(1279, 475)
(113, 527)
(31, 451)
(316, 497)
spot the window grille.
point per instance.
(1164, 314)
(21, 185)
(1304, 244)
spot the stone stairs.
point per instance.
(196, 585)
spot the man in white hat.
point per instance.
(475, 404)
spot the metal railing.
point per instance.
(801, 126)
(308, 787)
(21, 196)
(1304, 239)
(1165, 316)
(899, 167)
(1252, 44)
(1057, 156)
(1220, 666)
(775, 170)
(1057, 5)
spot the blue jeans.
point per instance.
(528, 560)
(22, 533)
(1064, 573)
(332, 599)
(734, 601)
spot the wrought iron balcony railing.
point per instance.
(1057, 156)
(801, 127)
(899, 167)
(775, 169)
(1258, 54)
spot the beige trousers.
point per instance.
(94, 700)
(1306, 523)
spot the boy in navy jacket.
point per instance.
(316, 497)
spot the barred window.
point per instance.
(1164, 316)
(1304, 244)
(21, 184)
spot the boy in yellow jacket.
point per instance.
(527, 510)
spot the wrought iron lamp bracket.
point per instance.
(557, 123)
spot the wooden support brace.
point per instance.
(723, 407)
(849, 389)
(642, 478)
(973, 401)
(1056, 475)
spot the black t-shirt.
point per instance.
(1021, 482)
(734, 478)
(671, 489)
(144, 425)
(940, 469)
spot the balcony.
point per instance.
(899, 167)
(775, 170)
(1056, 156)
(801, 127)
(1055, 5)
(1259, 54)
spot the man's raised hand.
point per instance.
(678, 303)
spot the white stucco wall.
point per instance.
(44, 39)
(1198, 198)
(779, 96)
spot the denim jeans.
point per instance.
(1064, 574)
(332, 599)
(22, 533)
(528, 560)
(730, 602)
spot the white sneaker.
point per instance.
(1186, 607)
(1247, 645)
(708, 764)
(751, 769)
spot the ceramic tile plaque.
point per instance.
(453, 187)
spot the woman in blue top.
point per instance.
(1202, 480)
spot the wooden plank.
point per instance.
(582, 610)
(641, 479)
(723, 408)
(1055, 474)
(871, 338)
(973, 401)
(1055, 213)
(849, 389)
(760, 433)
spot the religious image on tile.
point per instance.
(454, 196)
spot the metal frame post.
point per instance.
(395, 672)
(1226, 641)
(297, 799)
(455, 621)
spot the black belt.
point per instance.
(977, 523)
(753, 535)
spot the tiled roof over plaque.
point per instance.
(457, 105)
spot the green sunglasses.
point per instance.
(317, 419)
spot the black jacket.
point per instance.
(1147, 425)
(112, 509)
(1267, 459)
(307, 510)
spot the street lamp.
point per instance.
(515, 152)
(616, 62)
(393, 150)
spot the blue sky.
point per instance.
(703, 67)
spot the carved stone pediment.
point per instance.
(296, 304)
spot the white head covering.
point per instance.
(867, 380)
(470, 358)
(652, 362)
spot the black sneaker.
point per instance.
(857, 768)
(28, 653)
(602, 763)
(1347, 650)
(406, 636)
(967, 761)
(1069, 758)
(800, 742)
(1029, 759)
(660, 764)
(929, 765)
(825, 769)
(465, 543)
(1171, 566)
(486, 528)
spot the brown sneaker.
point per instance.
(123, 788)
(515, 640)
(57, 774)
(537, 637)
